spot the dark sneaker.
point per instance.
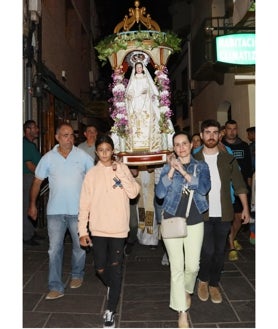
(109, 319)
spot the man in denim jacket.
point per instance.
(224, 169)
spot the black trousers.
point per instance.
(108, 258)
(133, 222)
(213, 250)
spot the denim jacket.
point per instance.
(171, 189)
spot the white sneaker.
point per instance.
(109, 319)
(165, 260)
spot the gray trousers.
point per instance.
(28, 224)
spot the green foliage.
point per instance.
(120, 41)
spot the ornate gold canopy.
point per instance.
(156, 44)
(137, 15)
(133, 140)
(150, 41)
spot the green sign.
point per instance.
(236, 48)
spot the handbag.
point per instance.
(176, 227)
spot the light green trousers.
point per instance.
(184, 258)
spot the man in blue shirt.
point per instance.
(65, 167)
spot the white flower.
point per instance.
(163, 76)
(164, 93)
(120, 104)
(120, 116)
(118, 87)
(164, 109)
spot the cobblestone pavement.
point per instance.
(144, 299)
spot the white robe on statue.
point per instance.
(143, 112)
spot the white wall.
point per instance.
(240, 96)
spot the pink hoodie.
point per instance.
(104, 204)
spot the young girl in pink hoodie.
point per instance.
(104, 203)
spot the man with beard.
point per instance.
(224, 169)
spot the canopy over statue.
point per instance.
(142, 130)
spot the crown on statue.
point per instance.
(138, 57)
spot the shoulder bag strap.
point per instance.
(189, 203)
(190, 196)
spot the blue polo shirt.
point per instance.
(65, 177)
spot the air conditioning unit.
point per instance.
(35, 6)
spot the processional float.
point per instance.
(124, 49)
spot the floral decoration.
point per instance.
(163, 85)
(118, 110)
(120, 41)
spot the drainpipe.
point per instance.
(39, 73)
(189, 84)
(28, 70)
(28, 90)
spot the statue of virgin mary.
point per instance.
(143, 110)
(141, 99)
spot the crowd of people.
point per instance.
(216, 165)
(81, 184)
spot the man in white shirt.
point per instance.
(224, 170)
